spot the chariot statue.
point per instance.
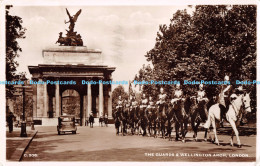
(72, 38)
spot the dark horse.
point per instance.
(91, 121)
(162, 118)
(199, 113)
(144, 120)
(117, 119)
(134, 120)
(101, 121)
(152, 115)
(170, 120)
(124, 120)
(106, 121)
(181, 116)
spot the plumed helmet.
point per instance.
(161, 89)
(226, 78)
(240, 88)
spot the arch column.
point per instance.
(46, 98)
(57, 100)
(101, 100)
(89, 101)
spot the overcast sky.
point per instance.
(123, 33)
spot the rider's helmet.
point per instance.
(239, 90)
(161, 90)
(201, 86)
(226, 78)
(178, 86)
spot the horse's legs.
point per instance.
(185, 126)
(163, 128)
(182, 132)
(196, 131)
(170, 130)
(132, 128)
(193, 127)
(177, 131)
(125, 126)
(205, 135)
(149, 128)
(154, 129)
(215, 131)
(231, 139)
(122, 127)
(234, 127)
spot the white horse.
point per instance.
(233, 115)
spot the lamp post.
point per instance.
(23, 124)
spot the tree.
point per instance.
(206, 45)
(14, 31)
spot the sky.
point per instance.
(124, 34)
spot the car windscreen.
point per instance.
(68, 119)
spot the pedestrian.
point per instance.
(10, 121)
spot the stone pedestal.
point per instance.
(72, 55)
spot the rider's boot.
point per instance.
(222, 113)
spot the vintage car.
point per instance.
(66, 123)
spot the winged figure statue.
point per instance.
(72, 20)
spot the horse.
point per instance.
(198, 114)
(233, 116)
(63, 40)
(144, 120)
(106, 121)
(170, 120)
(162, 118)
(136, 122)
(101, 121)
(117, 120)
(181, 116)
(151, 113)
(124, 119)
(91, 121)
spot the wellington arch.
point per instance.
(66, 67)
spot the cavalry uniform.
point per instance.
(119, 104)
(133, 103)
(151, 106)
(201, 95)
(127, 105)
(224, 99)
(144, 103)
(178, 94)
(143, 106)
(162, 101)
(202, 100)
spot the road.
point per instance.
(102, 144)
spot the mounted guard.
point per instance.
(143, 114)
(152, 115)
(224, 98)
(162, 106)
